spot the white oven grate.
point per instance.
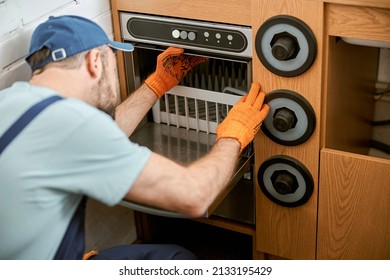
(204, 97)
(193, 108)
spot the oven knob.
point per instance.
(176, 34)
(191, 36)
(183, 35)
(291, 120)
(285, 47)
(284, 119)
(285, 181)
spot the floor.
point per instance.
(110, 226)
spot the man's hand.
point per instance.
(244, 119)
(172, 66)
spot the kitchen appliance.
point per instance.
(182, 124)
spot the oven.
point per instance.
(182, 124)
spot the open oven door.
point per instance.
(184, 146)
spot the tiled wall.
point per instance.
(18, 19)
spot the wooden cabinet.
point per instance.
(283, 231)
(354, 207)
(348, 213)
(354, 188)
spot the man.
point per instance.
(61, 153)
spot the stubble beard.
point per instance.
(106, 96)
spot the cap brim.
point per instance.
(126, 47)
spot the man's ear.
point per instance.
(93, 62)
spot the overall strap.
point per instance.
(72, 245)
(24, 120)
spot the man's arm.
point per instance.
(131, 111)
(191, 189)
(172, 66)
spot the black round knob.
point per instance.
(284, 119)
(285, 183)
(284, 48)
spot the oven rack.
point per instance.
(192, 108)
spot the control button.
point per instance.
(183, 35)
(176, 34)
(230, 37)
(191, 36)
(218, 36)
(206, 34)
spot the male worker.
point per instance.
(57, 147)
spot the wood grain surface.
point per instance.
(353, 215)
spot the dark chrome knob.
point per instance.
(284, 182)
(284, 48)
(284, 119)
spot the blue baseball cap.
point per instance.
(65, 36)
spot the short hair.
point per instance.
(73, 62)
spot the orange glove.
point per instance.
(172, 66)
(244, 119)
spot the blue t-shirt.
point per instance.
(69, 150)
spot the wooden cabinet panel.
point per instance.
(284, 231)
(227, 11)
(358, 22)
(354, 207)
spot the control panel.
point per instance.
(187, 33)
(211, 38)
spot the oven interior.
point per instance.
(182, 124)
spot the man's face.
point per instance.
(106, 88)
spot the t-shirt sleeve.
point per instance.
(98, 160)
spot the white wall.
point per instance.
(18, 19)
